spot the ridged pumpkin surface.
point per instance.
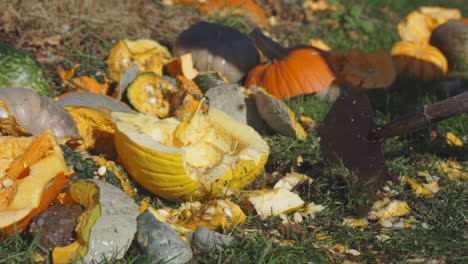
(206, 156)
(301, 71)
(419, 60)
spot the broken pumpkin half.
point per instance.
(207, 156)
(32, 173)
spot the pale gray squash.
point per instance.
(37, 113)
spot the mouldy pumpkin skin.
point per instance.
(419, 60)
(289, 71)
(207, 156)
(147, 54)
(38, 113)
(17, 69)
(219, 48)
(107, 227)
(36, 170)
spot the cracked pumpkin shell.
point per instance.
(207, 156)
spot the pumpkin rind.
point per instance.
(175, 173)
(419, 60)
(17, 69)
(219, 48)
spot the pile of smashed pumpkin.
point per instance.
(180, 126)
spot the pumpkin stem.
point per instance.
(270, 48)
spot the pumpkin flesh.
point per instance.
(204, 157)
(38, 171)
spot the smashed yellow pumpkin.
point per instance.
(147, 54)
(205, 157)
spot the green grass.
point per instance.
(440, 228)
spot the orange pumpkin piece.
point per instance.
(419, 60)
(289, 71)
(363, 70)
(418, 25)
(185, 98)
(246, 8)
(91, 85)
(34, 168)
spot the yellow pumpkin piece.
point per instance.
(182, 65)
(318, 43)
(147, 54)
(96, 129)
(386, 208)
(311, 209)
(151, 93)
(207, 156)
(291, 180)
(212, 214)
(418, 25)
(425, 189)
(355, 222)
(32, 173)
(273, 202)
(453, 140)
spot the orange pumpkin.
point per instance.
(246, 8)
(289, 71)
(419, 60)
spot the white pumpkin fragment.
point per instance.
(273, 202)
(386, 208)
(292, 180)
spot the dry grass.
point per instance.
(24, 21)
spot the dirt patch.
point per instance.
(42, 27)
